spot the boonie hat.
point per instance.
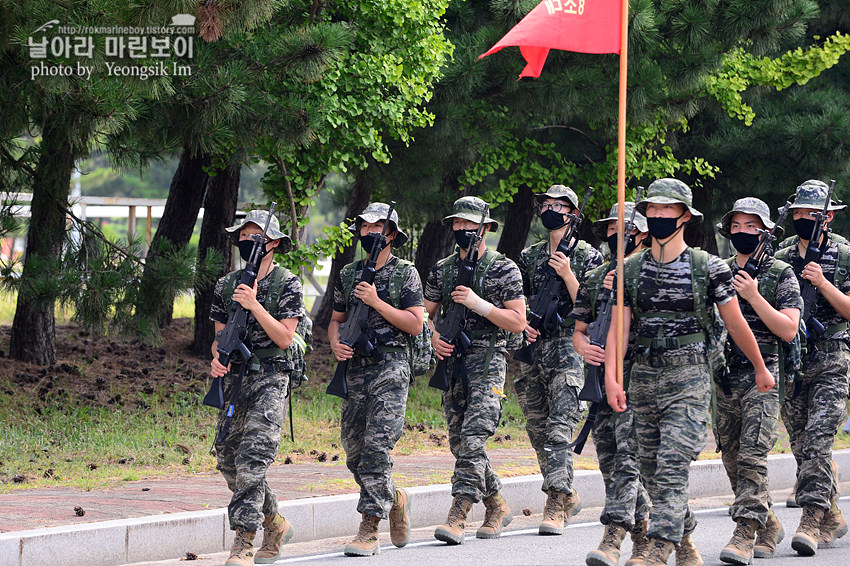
(471, 208)
(378, 211)
(259, 217)
(559, 192)
(748, 205)
(600, 227)
(812, 194)
(670, 191)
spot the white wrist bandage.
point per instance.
(478, 305)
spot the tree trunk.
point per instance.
(33, 329)
(358, 200)
(173, 232)
(437, 241)
(702, 235)
(517, 223)
(219, 213)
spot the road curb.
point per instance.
(204, 532)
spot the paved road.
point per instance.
(521, 545)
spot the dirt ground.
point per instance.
(94, 367)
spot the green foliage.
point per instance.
(333, 240)
(742, 70)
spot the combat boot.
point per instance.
(400, 519)
(740, 548)
(366, 542)
(242, 551)
(608, 553)
(497, 515)
(659, 552)
(687, 553)
(452, 531)
(833, 526)
(805, 540)
(792, 499)
(640, 544)
(768, 538)
(276, 532)
(560, 506)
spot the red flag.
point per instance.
(585, 26)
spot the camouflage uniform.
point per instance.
(626, 500)
(547, 390)
(815, 415)
(472, 419)
(669, 387)
(746, 421)
(251, 445)
(373, 414)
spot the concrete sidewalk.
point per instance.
(162, 537)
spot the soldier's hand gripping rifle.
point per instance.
(814, 253)
(233, 340)
(452, 325)
(597, 331)
(355, 331)
(543, 305)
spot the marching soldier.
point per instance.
(626, 500)
(671, 291)
(473, 406)
(746, 421)
(547, 390)
(814, 415)
(373, 413)
(250, 447)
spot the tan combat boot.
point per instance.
(242, 551)
(400, 519)
(640, 544)
(276, 532)
(805, 540)
(740, 548)
(560, 506)
(659, 552)
(366, 542)
(833, 526)
(608, 553)
(687, 553)
(768, 538)
(452, 531)
(497, 515)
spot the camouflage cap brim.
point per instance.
(259, 218)
(400, 239)
(748, 205)
(600, 227)
(494, 224)
(833, 204)
(559, 192)
(696, 215)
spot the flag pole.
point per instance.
(621, 183)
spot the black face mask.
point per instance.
(552, 220)
(745, 243)
(367, 241)
(663, 228)
(245, 249)
(612, 244)
(463, 237)
(804, 228)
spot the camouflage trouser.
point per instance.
(472, 422)
(814, 417)
(670, 400)
(251, 446)
(372, 422)
(626, 499)
(548, 396)
(746, 428)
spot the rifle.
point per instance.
(814, 253)
(355, 331)
(597, 331)
(543, 305)
(452, 325)
(233, 339)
